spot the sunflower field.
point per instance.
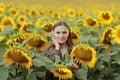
(26, 30)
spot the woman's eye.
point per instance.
(57, 32)
(64, 32)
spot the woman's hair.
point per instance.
(62, 23)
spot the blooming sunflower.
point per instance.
(34, 13)
(37, 41)
(1, 37)
(39, 23)
(47, 28)
(106, 17)
(75, 34)
(19, 56)
(71, 13)
(63, 73)
(75, 37)
(105, 39)
(116, 34)
(90, 22)
(2, 7)
(19, 37)
(56, 14)
(24, 27)
(13, 12)
(84, 55)
(21, 18)
(7, 21)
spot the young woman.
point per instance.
(61, 43)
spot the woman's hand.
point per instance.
(74, 67)
(57, 45)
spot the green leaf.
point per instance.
(4, 73)
(57, 59)
(32, 76)
(38, 63)
(67, 57)
(49, 64)
(81, 73)
(7, 30)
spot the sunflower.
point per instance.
(56, 14)
(80, 12)
(34, 13)
(2, 7)
(7, 21)
(90, 22)
(19, 56)
(37, 41)
(84, 55)
(75, 34)
(13, 12)
(106, 17)
(19, 37)
(105, 39)
(47, 28)
(116, 34)
(63, 73)
(71, 13)
(39, 23)
(24, 27)
(21, 18)
(16, 26)
(1, 37)
(75, 37)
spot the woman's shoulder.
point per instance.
(49, 47)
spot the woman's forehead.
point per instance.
(59, 28)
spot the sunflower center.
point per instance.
(48, 28)
(55, 14)
(74, 36)
(84, 54)
(91, 22)
(107, 38)
(13, 12)
(7, 22)
(18, 56)
(36, 42)
(106, 16)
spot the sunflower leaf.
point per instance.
(81, 73)
(67, 57)
(4, 72)
(57, 59)
(32, 76)
(7, 30)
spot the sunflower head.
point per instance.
(7, 21)
(24, 27)
(18, 37)
(36, 40)
(47, 28)
(105, 39)
(63, 73)
(75, 34)
(116, 34)
(84, 55)
(106, 17)
(90, 22)
(71, 13)
(18, 55)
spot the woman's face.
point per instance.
(61, 34)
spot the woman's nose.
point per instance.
(61, 35)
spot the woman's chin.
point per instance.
(61, 42)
